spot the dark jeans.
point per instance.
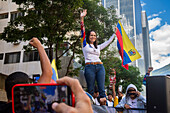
(92, 73)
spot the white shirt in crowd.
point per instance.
(133, 104)
(110, 104)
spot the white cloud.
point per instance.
(156, 15)
(160, 45)
(154, 22)
(143, 4)
(153, 15)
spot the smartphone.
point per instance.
(34, 98)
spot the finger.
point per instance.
(32, 40)
(31, 43)
(63, 108)
(81, 98)
(73, 84)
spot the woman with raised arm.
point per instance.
(94, 69)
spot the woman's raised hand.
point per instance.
(83, 14)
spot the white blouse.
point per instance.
(92, 54)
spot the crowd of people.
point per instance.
(129, 102)
(94, 71)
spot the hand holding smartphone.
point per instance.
(82, 104)
(32, 98)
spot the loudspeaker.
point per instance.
(158, 94)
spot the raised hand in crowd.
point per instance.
(44, 60)
(150, 69)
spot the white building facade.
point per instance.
(12, 55)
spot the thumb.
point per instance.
(63, 108)
(31, 42)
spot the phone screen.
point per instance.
(39, 98)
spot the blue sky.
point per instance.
(158, 13)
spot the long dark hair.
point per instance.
(87, 38)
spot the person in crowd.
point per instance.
(94, 69)
(146, 75)
(96, 96)
(112, 96)
(110, 100)
(120, 96)
(120, 93)
(133, 99)
(82, 104)
(21, 77)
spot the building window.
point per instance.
(33, 55)
(15, 15)
(4, 16)
(12, 57)
(1, 56)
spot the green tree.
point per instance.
(123, 77)
(52, 19)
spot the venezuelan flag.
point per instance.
(83, 35)
(126, 49)
(55, 74)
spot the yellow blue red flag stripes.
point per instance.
(126, 49)
(83, 35)
(55, 74)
